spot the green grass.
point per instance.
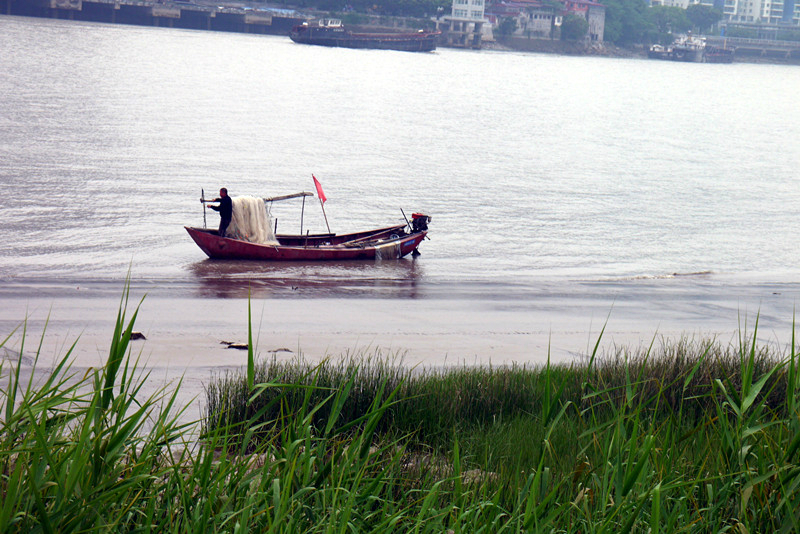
(675, 377)
(686, 436)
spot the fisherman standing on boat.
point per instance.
(225, 210)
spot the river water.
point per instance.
(553, 182)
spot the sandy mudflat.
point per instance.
(184, 333)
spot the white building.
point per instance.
(470, 10)
(464, 26)
(764, 11)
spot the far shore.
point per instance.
(281, 24)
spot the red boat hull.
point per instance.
(384, 243)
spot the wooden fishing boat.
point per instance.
(383, 243)
(391, 242)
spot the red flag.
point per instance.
(320, 193)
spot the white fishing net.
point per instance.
(251, 221)
(389, 251)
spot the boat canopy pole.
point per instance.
(302, 214)
(287, 197)
(274, 199)
(302, 194)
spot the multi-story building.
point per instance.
(471, 10)
(538, 20)
(534, 20)
(755, 11)
(464, 26)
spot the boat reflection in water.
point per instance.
(346, 279)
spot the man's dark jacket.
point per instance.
(225, 207)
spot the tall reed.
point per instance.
(683, 433)
(686, 437)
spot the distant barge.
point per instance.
(331, 32)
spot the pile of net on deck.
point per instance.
(251, 221)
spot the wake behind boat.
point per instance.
(250, 237)
(331, 32)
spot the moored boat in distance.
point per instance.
(689, 48)
(331, 32)
(658, 51)
(692, 49)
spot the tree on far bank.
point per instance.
(507, 26)
(666, 21)
(573, 27)
(703, 17)
(670, 19)
(627, 22)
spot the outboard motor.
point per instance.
(419, 222)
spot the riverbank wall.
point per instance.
(573, 48)
(179, 14)
(556, 46)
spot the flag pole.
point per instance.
(322, 199)
(324, 215)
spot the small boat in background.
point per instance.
(693, 49)
(689, 48)
(331, 32)
(658, 51)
